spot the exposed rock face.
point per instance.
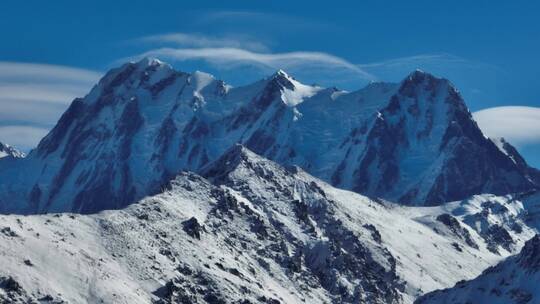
(193, 228)
(425, 148)
(510, 151)
(144, 122)
(455, 227)
(334, 257)
(511, 281)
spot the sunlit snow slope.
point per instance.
(251, 232)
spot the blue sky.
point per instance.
(488, 49)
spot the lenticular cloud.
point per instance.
(518, 124)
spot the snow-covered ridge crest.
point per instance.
(253, 230)
(514, 280)
(255, 221)
(145, 122)
(293, 92)
(9, 151)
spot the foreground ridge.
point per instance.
(252, 231)
(511, 281)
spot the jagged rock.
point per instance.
(455, 227)
(9, 284)
(498, 236)
(193, 228)
(529, 257)
(12, 292)
(375, 234)
(8, 232)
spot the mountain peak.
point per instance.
(202, 75)
(202, 80)
(420, 85)
(229, 161)
(420, 74)
(293, 92)
(427, 122)
(420, 78)
(281, 73)
(9, 151)
(149, 61)
(280, 80)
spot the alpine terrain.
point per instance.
(512, 281)
(161, 186)
(8, 151)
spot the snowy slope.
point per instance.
(514, 280)
(144, 122)
(6, 150)
(250, 231)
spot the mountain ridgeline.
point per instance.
(414, 142)
(248, 230)
(8, 151)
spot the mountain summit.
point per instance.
(9, 151)
(424, 147)
(414, 142)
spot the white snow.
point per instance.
(300, 93)
(117, 256)
(123, 257)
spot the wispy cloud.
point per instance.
(415, 60)
(237, 51)
(33, 96)
(519, 125)
(18, 71)
(228, 58)
(204, 41)
(440, 63)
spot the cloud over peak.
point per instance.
(520, 125)
(204, 41)
(230, 57)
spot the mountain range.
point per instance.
(414, 142)
(161, 186)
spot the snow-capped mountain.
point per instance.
(424, 148)
(252, 231)
(9, 151)
(413, 142)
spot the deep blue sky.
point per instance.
(489, 49)
(502, 36)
